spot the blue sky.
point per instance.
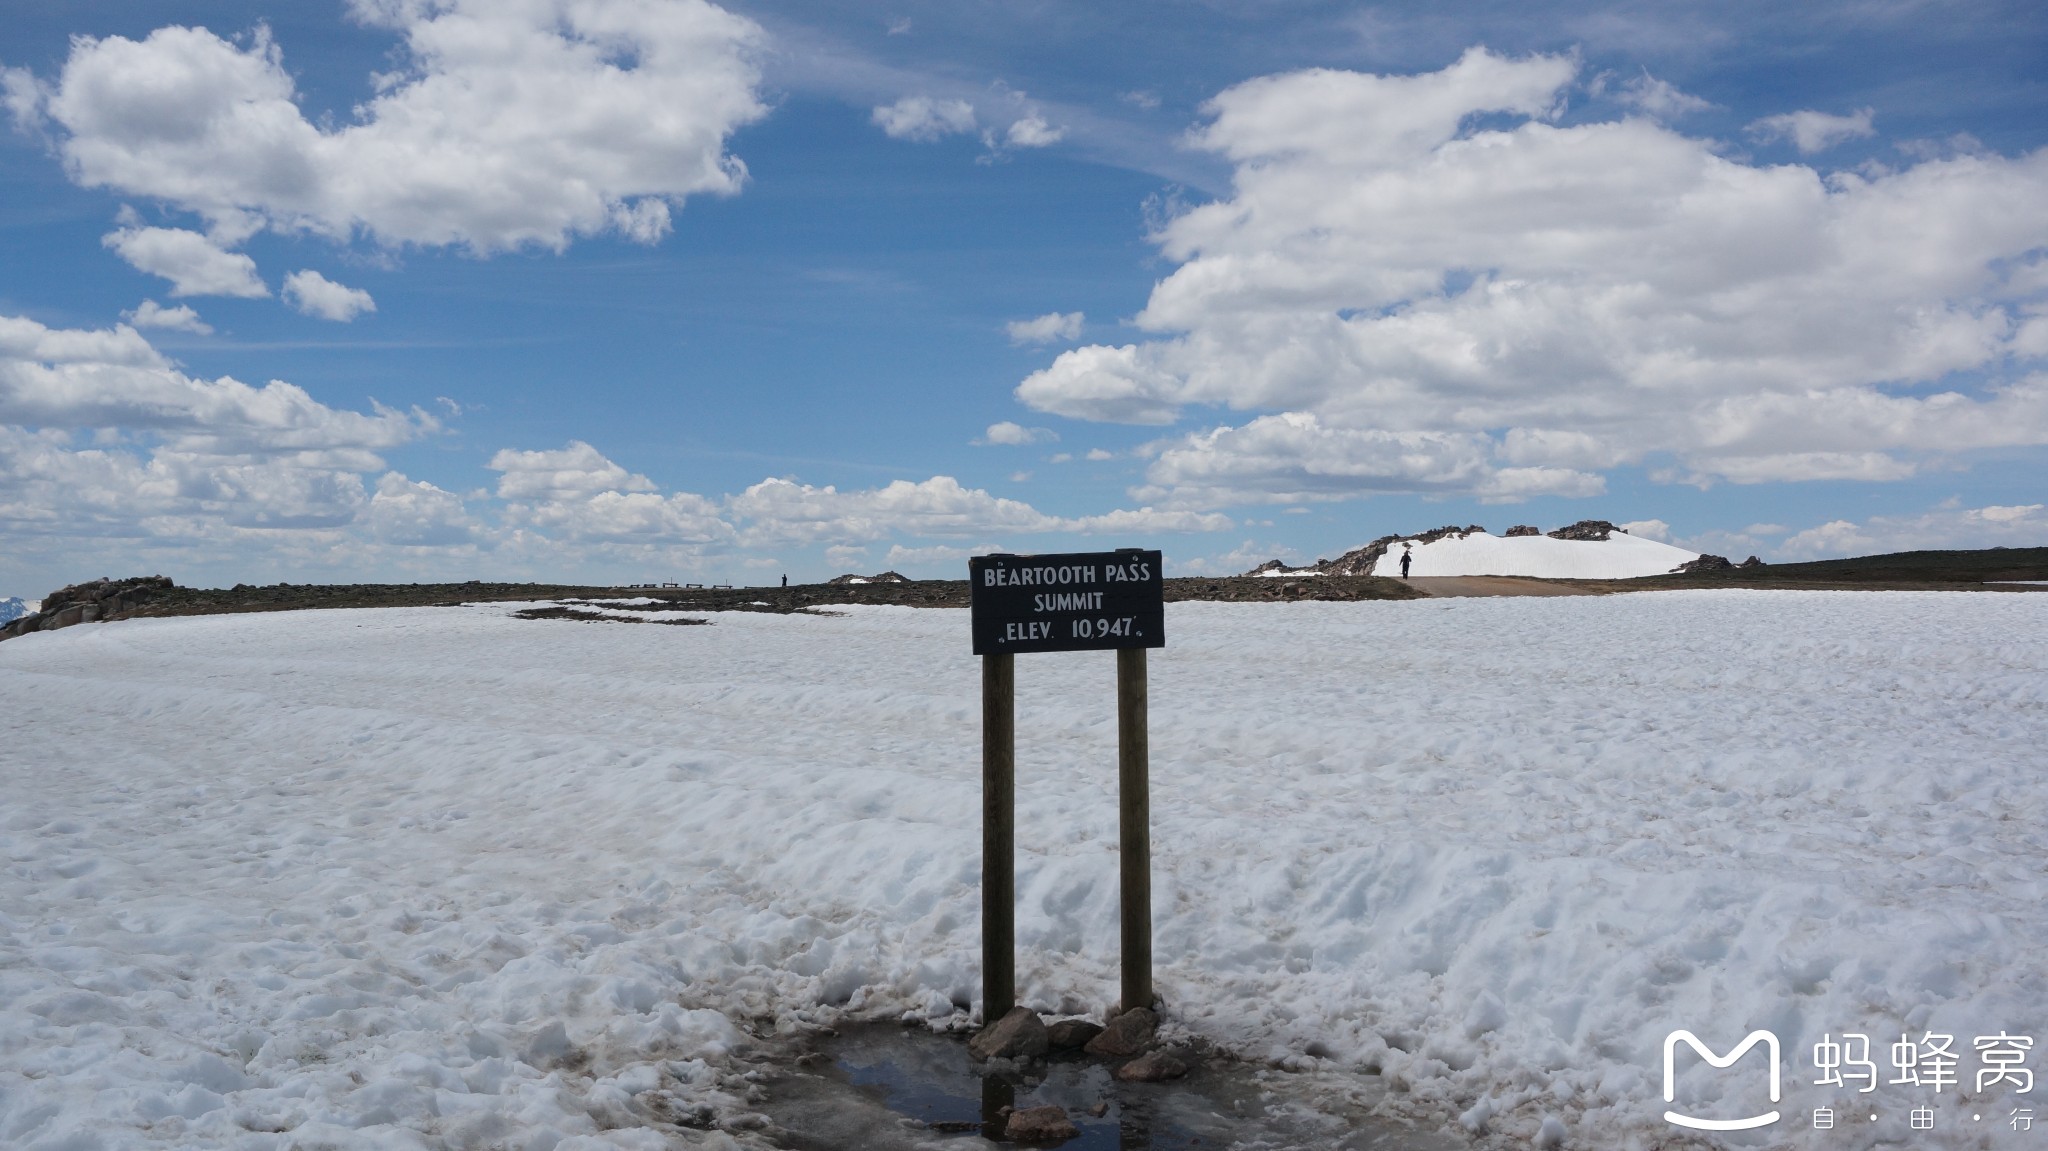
(639, 289)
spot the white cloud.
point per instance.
(414, 513)
(1443, 300)
(504, 125)
(1659, 98)
(316, 295)
(102, 438)
(924, 119)
(193, 263)
(1046, 328)
(150, 314)
(1099, 454)
(901, 557)
(1013, 434)
(777, 511)
(1033, 132)
(1648, 529)
(1812, 132)
(79, 379)
(576, 493)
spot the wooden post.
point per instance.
(1134, 825)
(998, 835)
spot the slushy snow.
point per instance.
(1619, 556)
(443, 878)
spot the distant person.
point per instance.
(1407, 557)
(785, 581)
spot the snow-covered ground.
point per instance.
(1619, 556)
(430, 878)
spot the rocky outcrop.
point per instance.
(1592, 530)
(1524, 530)
(1360, 561)
(1751, 562)
(1706, 564)
(90, 602)
(850, 578)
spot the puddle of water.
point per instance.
(880, 1087)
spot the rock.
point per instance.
(1705, 564)
(1071, 1034)
(1593, 530)
(1100, 1109)
(1152, 1067)
(1524, 530)
(1047, 1124)
(1751, 562)
(1127, 1034)
(1018, 1035)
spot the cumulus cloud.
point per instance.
(503, 125)
(1812, 131)
(924, 119)
(1423, 283)
(1033, 131)
(780, 511)
(1948, 527)
(576, 493)
(150, 314)
(1011, 434)
(84, 379)
(1648, 529)
(193, 263)
(101, 436)
(1046, 328)
(316, 295)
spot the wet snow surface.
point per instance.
(425, 878)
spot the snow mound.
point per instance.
(1619, 556)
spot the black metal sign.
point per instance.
(1080, 601)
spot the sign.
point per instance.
(1079, 601)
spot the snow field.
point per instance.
(443, 878)
(1619, 556)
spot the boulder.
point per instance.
(1152, 1067)
(1524, 530)
(1705, 564)
(1017, 1035)
(1047, 1124)
(1751, 562)
(1127, 1034)
(1072, 1034)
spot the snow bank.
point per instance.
(1619, 556)
(442, 878)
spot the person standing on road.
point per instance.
(1407, 557)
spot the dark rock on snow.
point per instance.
(1594, 530)
(1706, 564)
(1524, 530)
